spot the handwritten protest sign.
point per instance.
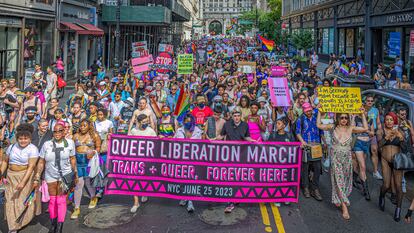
(142, 64)
(226, 171)
(167, 48)
(279, 92)
(139, 49)
(340, 99)
(185, 64)
(247, 67)
(278, 71)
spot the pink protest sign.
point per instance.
(142, 64)
(216, 171)
(279, 92)
(278, 71)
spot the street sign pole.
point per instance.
(117, 34)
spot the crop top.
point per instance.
(90, 143)
(20, 156)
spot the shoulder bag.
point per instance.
(68, 180)
(404, 161)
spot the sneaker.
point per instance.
(144, 199)
(190, 207)
(93, 203)
(377, 175)
(75, 214)
(229, 208)
(183, 203)
(404, 185)
(277, 204)
(134, 209)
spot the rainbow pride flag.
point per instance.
(266, 44)
(344, 69)
(183, 104)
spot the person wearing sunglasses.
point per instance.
(54, 173)
(341, 159)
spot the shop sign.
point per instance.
(401, 18)
(76, 14)
(354, 20)
(6, 21)
(412, 43)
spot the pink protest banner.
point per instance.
(279, 92)
(142, 64)
(278, 71)
(216, 171)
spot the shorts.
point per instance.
(82, 165)
(361, 146)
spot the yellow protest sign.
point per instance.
(340, 99)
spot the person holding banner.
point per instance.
(341, 159)
(143, 129)
(191, 131)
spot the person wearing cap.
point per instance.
(307, 132)
(263, 88)
(202, 111)
(235, 130)
(30, 100)
(115, 109)
(30, 113)
(125, 116)
(103, 94)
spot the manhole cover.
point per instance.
(108, 216)
(216, 216)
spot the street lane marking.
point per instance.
(265, 217)
(278, 218)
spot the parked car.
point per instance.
(391, 100)
(362, 81)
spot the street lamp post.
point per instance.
(117, 34)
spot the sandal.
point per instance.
(408, 216)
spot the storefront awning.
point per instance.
(92, 30)
(71, 27)
(82, 29)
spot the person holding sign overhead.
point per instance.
(341, 159)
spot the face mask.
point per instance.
(188, 125)
(144, 126)
(165, 114)
(202, 105)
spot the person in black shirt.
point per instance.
(42, 134)
(126, 115)
(235, 130)
(280, 135)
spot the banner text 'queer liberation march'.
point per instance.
(217, 171)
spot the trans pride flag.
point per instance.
(266, 44)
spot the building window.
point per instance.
(325, 40)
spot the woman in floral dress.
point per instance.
(341, 158)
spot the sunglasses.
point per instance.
(58, 131)
(369, 101)
(344, 118)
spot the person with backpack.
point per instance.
(57, 159)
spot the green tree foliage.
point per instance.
(303, 40)
(268, 23)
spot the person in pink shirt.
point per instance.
(201, 112)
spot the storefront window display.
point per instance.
(9, 55)
(360, 42)
(392, 44)
(341, 41)
(325, 40)
(349, 49)
(38, 43)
